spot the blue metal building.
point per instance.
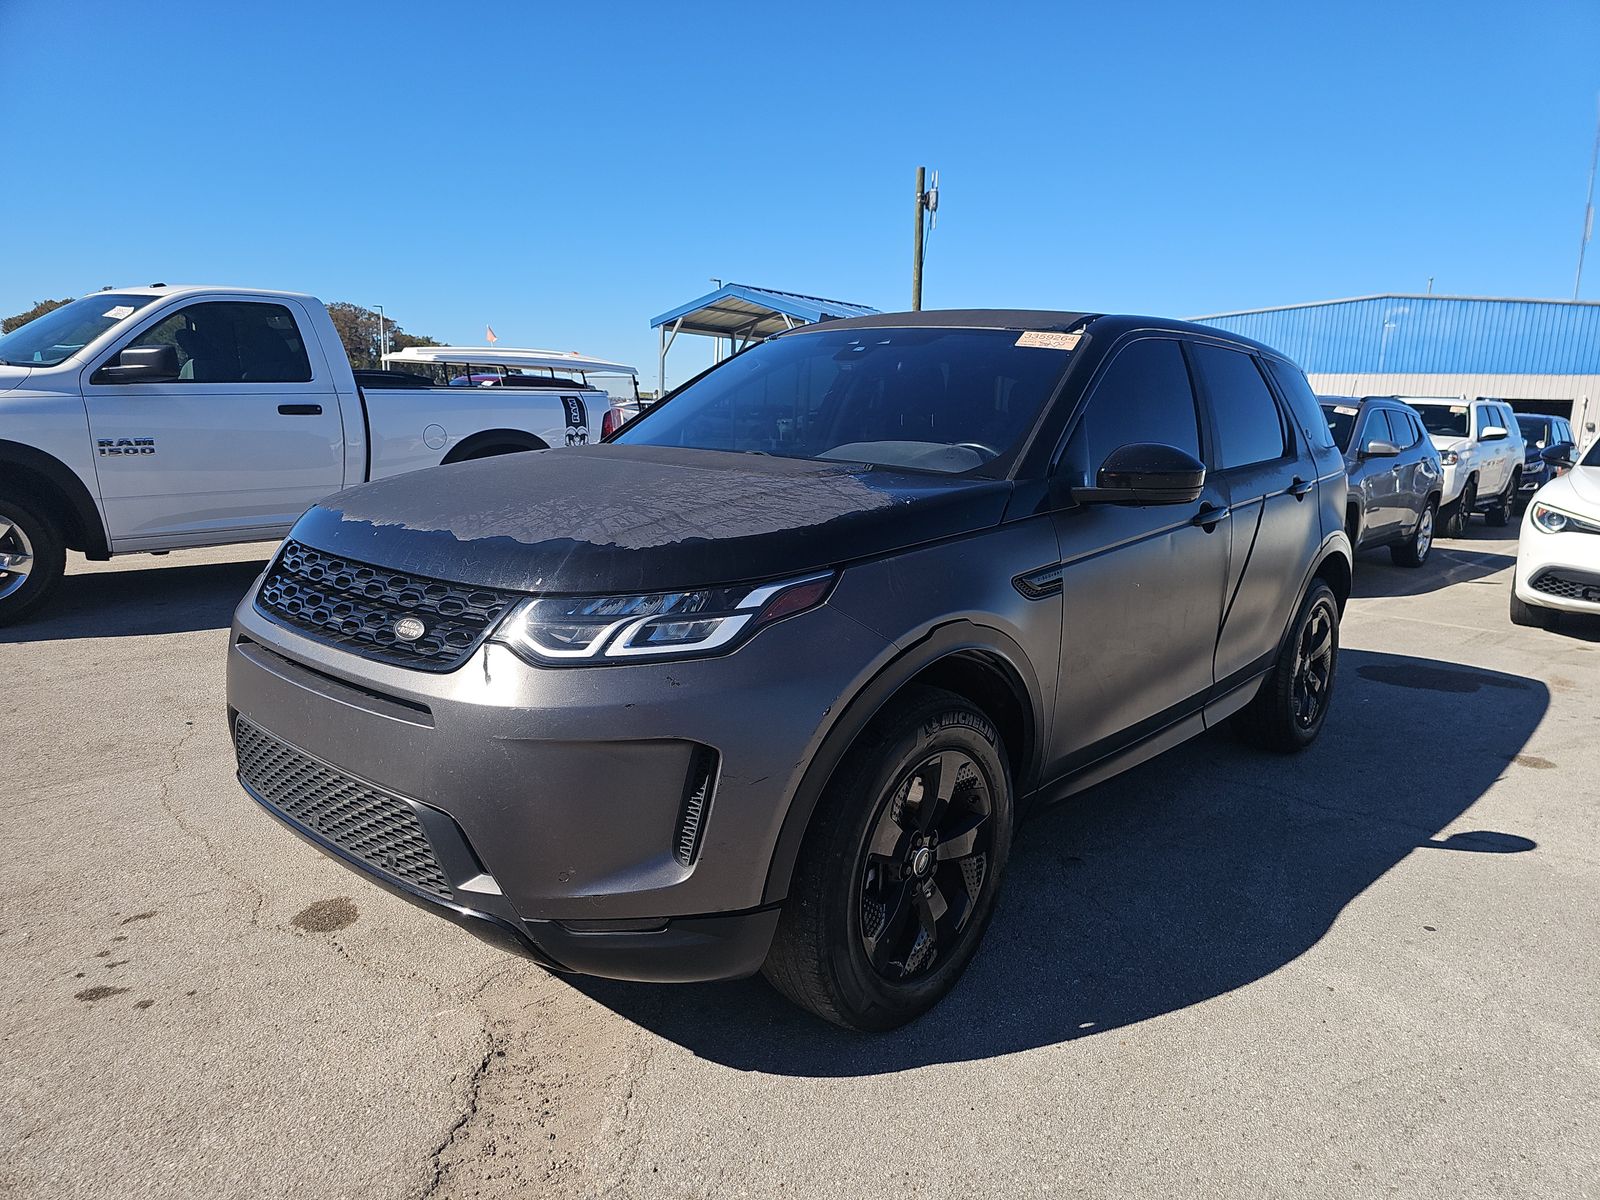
(1542, 355)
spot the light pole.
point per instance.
(383, 336)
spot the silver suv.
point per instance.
(767, 681)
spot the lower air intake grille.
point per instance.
(373, 826)
(697, 789)
(358, 606)
(1567, 586)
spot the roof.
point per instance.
(738, 308)
(1244, 312)
(1428, 335)
(493, 356)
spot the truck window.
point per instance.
(229, 341)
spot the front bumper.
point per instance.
(553, 800)
(1455, 477)
(1535, 475)
(1557, 570)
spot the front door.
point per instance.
(244, 441)
(1141, 586)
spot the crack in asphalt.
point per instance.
(469, 1111)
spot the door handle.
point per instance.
(300, 410)
(1208, 517)
(1300, 488)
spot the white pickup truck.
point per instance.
(156, 418)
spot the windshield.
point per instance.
(1447, 420)
(51, 339)
(1535, 430)
(1592, 459)
(1341, 422)
(945, 400)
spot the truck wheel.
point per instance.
(1528, 615)
(900, 868)
(32, 559)
(1288, 712)
(1499, 514)
(1465, 503)
(1413, 552)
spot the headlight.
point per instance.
(1449, 457)
(578, 630)
(1553, 520)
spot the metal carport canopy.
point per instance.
(745, 314)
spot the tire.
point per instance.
(34, 544)
(1289, 711)
(1465, 503)
(865, 865)
(1528, 615)
(1499, 514)
(1413, 552)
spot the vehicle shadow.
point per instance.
(1188, 877)
(1453, 561)
(141, 600)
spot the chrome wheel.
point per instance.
(927, 865)
(16, 557)
(1424, 533)
(1313, 665)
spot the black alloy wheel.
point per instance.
(1289, 711)
(925, 865)
(1465, 503)
(1313, 664)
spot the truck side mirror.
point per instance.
(1495, 433)
(141, 364)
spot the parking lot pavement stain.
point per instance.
(143, 1003)
(144, 916)
(325, 916)
(1534, 761)
(99, 993)
(1438, 679)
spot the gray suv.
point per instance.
(767, 681)
(1395, 475)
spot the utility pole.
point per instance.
(1588, 210)
(927, 205)
(383, 336)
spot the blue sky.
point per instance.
(565, 172)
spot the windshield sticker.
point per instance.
(1343, 411)
(120, 311)
(1049, 341)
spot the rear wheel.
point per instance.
(1499, 514)
(32, 558)
(1528, 615)
(899, 872)
(1288, 712)
(1413, 552)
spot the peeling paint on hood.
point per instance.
(616, 518)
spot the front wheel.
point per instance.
(1413, 552)
(899, 872)
(32, 559)
(1288, 712)
(1528, 615)
(1465, 503)
(1499, 514)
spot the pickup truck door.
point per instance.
(247, 438)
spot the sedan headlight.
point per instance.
(1553, 520)
(580, 630)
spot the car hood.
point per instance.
(1577, 491)
(11, 376)
(613, 518)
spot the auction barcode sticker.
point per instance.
(120, 311)
(1049, 341)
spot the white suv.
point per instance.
(1481, 447)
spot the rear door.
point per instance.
(1275, 526)
(1141, 586)
(244, 441)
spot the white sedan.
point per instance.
(1558, 557)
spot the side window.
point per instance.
(1303, 401)
(1144, 396)
(1378, 428)
(232, 342)
(1417, 433)
(1248, 423)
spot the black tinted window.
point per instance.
(1144, 396)
(1303, 402)
(1341, 420)
(1249, 427)
(233, 342)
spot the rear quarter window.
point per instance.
(1302, 402)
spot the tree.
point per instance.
(38, 310)
(362, 334)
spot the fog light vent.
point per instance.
(697, 789)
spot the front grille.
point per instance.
(360, 819)
(355, 605)
(1567, 586)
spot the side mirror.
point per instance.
(1494, 433)
(1559, 455)
(1378, 448)
(1146, 473)
(144, 364)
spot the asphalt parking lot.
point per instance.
(1367, 970)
